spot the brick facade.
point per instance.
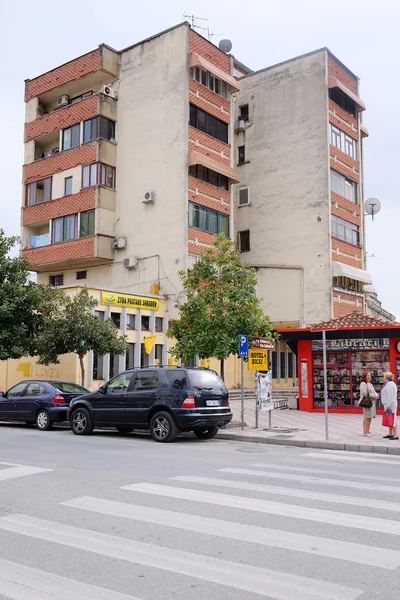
(343, 127)
(343, 214)
(342, 115)
(345, 204)
(208, 101)
(62, 118)
(338, 71)
(348, 254)
(199, 45)
(71, 71)
(209, 146)
(68, 205)
(209, 195)
(68, 159)
(60, 253)
(352, 163)
(343, 169)
(202, 236)
(348, 303)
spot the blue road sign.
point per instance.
(243, 346)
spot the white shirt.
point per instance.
(389, 396)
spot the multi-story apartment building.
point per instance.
(134, 159)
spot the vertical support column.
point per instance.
(286, 363)
(106, 357)
(138, 326)
(152, 355)
(165, 344)
(278, 362)
(122, 358)
(89, 368)
(295, 379)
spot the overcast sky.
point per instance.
(363, 34)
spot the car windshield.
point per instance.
(203, 379)
(74, 388)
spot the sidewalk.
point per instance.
(296, 428)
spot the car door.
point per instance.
(141, 395)
(7, 403)
(27, 404)
(109, 402)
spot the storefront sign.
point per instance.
(304, 378)
(264, 391)
(262, 343)
(258, 360)
(130, 301)
(356, 344)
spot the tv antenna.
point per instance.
(211, 35)
(193, 20)
(372, 206)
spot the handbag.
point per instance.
(366, 402)
(388, 418)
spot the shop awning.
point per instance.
(335, 83)
(196, 60)
(196, 158)
(342, 270)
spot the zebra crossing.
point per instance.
(229, 505)
(14, 471)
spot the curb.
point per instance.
(310, 444)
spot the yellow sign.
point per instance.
(130, 301)
(258, 360)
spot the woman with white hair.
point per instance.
(389, 401)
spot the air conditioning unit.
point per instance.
(130, 263)
(239, 125)
(62, 100)
(148, 197)
(109, 91)
(119, 243)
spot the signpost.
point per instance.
(243, 353)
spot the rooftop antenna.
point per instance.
(372, 206)
(193, 20)
(211, 35)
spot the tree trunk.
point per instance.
(82, 371)
(223, 370)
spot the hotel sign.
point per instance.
(356, 344)
(130, 301)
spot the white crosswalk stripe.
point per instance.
(15, 471)
(354, 477)
(358, 553)
(19, 582)
(272, 584)
(312, 479)
(335, 455)
(277, 508)
(285, 491)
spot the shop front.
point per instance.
(354, 344)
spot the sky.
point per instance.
(363, 34)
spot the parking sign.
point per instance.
(243, 346)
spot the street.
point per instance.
(118, 517)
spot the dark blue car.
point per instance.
(40, 402)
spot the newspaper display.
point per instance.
(264, 391)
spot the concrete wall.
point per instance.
(286, 143)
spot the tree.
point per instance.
(72, 327)
(220, 305)
(22, 303)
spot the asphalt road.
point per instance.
(111, 517)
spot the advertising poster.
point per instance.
(264, 391)
(304, 378)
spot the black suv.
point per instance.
(163, 400)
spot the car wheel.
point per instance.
(163, 427)
(81, 422)
(43, 422)
(206, 433)
(124, 429)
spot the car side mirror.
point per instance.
(2, 394)
(102, 389)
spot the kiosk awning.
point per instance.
(342, 270)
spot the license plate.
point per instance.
(212, 402)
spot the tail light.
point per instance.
(58, 400)
(228, 401)
(188, 402)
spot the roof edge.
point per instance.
(156, 35)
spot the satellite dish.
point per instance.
(225, 45)
(372, 206)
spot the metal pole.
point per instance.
(270, 418)
(256, 410)
(242, 394)
(325, 385)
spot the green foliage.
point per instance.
(22, 303)
(221, 304)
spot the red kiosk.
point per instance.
(354, 343)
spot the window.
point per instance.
(343, 186)
(119, 384)
(208, 124)
(38, 191)
(130, 321)
(130, 357)
(192, 260)
(343, 230)
(16, 390)
(34, 389)
(87, 223)
(56, 280)
(71, 137)
(100, 315)
(116, 320)
(145, 323)
(146, 380)
(336, 137)
(159, 324)
(244, 196)
(209, 176)
(177, 379)
(207, 219)
(81, 97)
(343, 142)
(348, 284)
(98, 366)
(114, 365)
(244, 112)
(98, 127)
(343, 100)
(64, 229)
(98, 174)
(243, 241)
(350, 146)
(67, 186)
(158, 350)
(81, 274)
(241, 155)
(209, 80)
